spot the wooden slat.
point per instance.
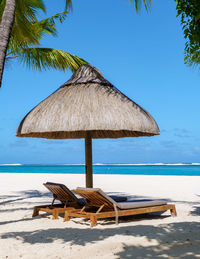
(61, 192)
(100, 208)
(95, 198)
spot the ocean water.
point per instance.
(130, 169)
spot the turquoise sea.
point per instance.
(130, 169)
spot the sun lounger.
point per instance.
(64, 195)
(67, 198)
(100, 205)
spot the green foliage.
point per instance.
(48, 25)
(138, 3)
(23, 30)
(46, 58)
(27, 32)
(189, 11)
(68, 5)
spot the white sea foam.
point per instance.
(10, 164)
(102, 164)
(163, 164)
(151, 164)
(142, 164)
(70, 164)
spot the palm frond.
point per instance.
(27, 30)
(48, 25)
(24, 33)
(47, 58)
(59, 16)
(23, 36)
(29, 8)
(138, 4)
(2, 6)
(68, 5)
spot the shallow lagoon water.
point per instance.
(184, 169)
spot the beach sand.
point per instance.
(22, 236)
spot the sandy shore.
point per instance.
(22, 236)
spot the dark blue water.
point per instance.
(187, 170)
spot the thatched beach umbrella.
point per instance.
(87, 106)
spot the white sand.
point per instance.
(22, 236)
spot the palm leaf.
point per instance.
(24, 33)
(138, 3)
(27, 9)
(68, 5)
(47, 58)
(48, 25)
(28, 31)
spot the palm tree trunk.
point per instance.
(5, 30)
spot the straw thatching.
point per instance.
(87, 103)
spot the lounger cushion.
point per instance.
(140, 204)
(129, 204)
(118, 198)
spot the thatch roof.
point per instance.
(87, 103)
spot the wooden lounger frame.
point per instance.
(60, 192)
(55, 209)
(106, 209)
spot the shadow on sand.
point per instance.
(172, 240)
(22, 196)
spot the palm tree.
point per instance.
(12, 10)
(8, 16)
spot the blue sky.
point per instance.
(142, 55)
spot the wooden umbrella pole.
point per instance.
(88, 160)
